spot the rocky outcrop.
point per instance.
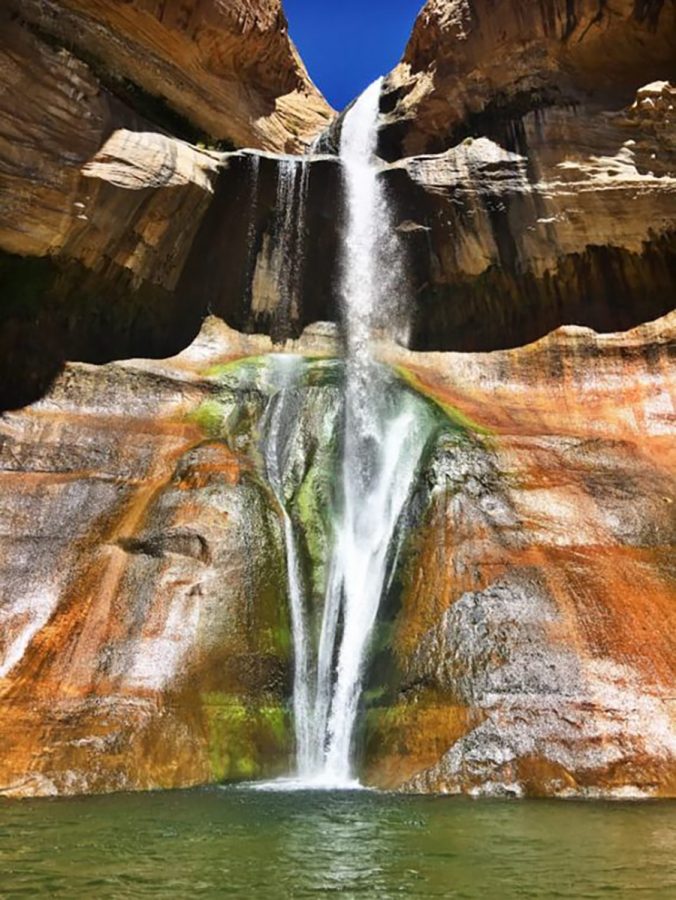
(267, 253)
(526, 642)
(503, 245)
(100, 199)
(542, 165)
(474, 67)
(526, 645)
(144, 622)
(229, 70)
(531, 647)
(576, 225)
(118, 239)
(98, 213)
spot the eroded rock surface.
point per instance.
(229, 69)
(540, 139)
(532, 651)
(475, 64)
(526, 645)
(101, 193)
(145, 638)
(574, 226)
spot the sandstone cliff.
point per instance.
(527, 643)
(229, 69)
(532, 651)
(100, 198)
(575, 226)
(478, 65)
(543, 159)
(527, 646)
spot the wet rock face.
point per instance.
(527, 643)
(267, 254)
(145, 637)
(117, 239)
(525, 646)
(528, 654)
(575, 225)
(144, 615)
(102, 196)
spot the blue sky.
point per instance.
(347, 44)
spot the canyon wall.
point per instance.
(530, 646)
(220, 71)
(113, 119)
(542, 201)
(479, 65)
(526, 645)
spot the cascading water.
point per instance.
(292, 188)
(384, 435)
(283, 373)
(385, 429)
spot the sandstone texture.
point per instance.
(526, 648)
(533, 649)
(228, 68)
(101, 191)
(481, 64)
(574, 225)
(526, 644)
(144, 622)
(540, 140)
(98, 211)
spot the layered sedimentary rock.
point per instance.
(474, 64)
(503, 245)
(100, 198)
(228, 69)
(98, 213)
(544, 191)
(266, 256)
(575, 225)
(144, 623)
(526, 644)
(552, 214)
(532, 648)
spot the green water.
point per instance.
(242, 843)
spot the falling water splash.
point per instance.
(384, 438)
(385, 431)
(292, 186)
(284, 374)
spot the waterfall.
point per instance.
(283, 374)
(384, 435)
(385, 429)
(275, 264)
(292, 185)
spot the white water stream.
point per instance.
(384, 436)
(382, 445)
(283, 373)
